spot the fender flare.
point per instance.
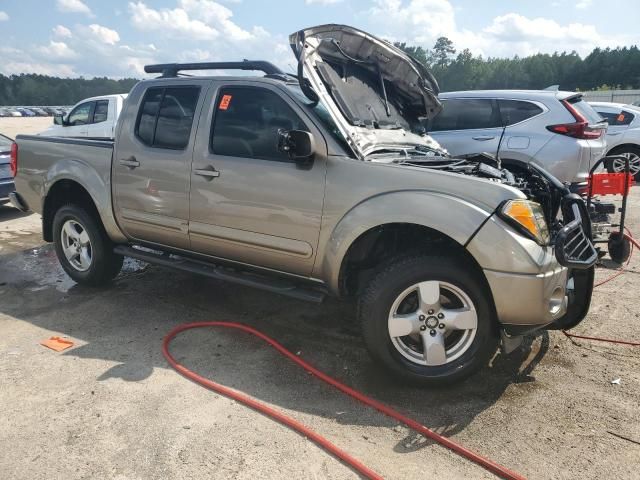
(451, 216)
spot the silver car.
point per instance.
(557, 130)
(623, 135)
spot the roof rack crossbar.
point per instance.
(172, 69)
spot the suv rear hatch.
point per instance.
(376, 93)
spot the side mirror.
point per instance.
(58, 119)
(297, 144)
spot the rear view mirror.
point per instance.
(297, 144)
(58, 119)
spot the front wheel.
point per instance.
(428, 320)
(83, 248)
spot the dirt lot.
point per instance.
(28, 125)
(111, 408)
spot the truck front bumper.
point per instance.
(527, 302)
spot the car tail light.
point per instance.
(13, 162)
(578, 129)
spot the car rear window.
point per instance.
(516, 111)
(584, 109)
(616, 119)
(466, 114)
(166, 116)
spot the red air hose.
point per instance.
(634, 243)
(303, 429)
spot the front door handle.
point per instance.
(130, 162)
(613, 134)
(208, 173)
(483, 138)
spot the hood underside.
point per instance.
(376, 93)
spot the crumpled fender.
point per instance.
(449, 215)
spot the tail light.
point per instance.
(578, 129)
(13, 161)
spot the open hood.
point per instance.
(376, 93)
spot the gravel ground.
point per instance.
(111, 408)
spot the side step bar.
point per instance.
(270, 284)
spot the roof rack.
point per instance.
(172, 69)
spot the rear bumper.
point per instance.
(6, 187)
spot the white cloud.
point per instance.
(73, 6)
(583, 4)
(104, 34)
(421, 22)
(321, 2)
(57, 50)
(61, 31)
(4, 16)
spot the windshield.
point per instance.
(322, 114)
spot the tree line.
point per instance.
(40, 90)
(602, 69)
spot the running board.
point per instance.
(263, 282)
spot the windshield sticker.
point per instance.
(224, 102)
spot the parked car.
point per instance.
(557, 130)
(39, 112)
(6, 176)
(4, 112)
(14, 113)
(94, 117)
(623, 134)
(26, 112)
(321, 184)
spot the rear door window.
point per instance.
(466, 114)
(101, 111)
(516, 111)
(247, 123)
(166, 116)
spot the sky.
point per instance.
(116, 38)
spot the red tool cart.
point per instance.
(604, 230)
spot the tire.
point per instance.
(93, 263)
(619, 247)
(634, 158)
(465, 350)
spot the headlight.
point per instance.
(528, 218)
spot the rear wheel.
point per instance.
(617, 165)
(83, 248)
(428, 320)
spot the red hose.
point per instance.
(634, 243)
(303, 429)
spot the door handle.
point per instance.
(613, 134)
(208, 173)
(483, 138)
(130, 162)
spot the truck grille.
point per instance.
(574, 248)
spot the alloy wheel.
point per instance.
(76, 245)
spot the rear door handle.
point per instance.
(208, 173)
(130, 162)
(613, 134)
(483, 138)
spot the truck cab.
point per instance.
(94, 117)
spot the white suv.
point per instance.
(556, 130)
(623, 135)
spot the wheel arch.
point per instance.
(60, 193)
(622, 146)
(398, 223)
